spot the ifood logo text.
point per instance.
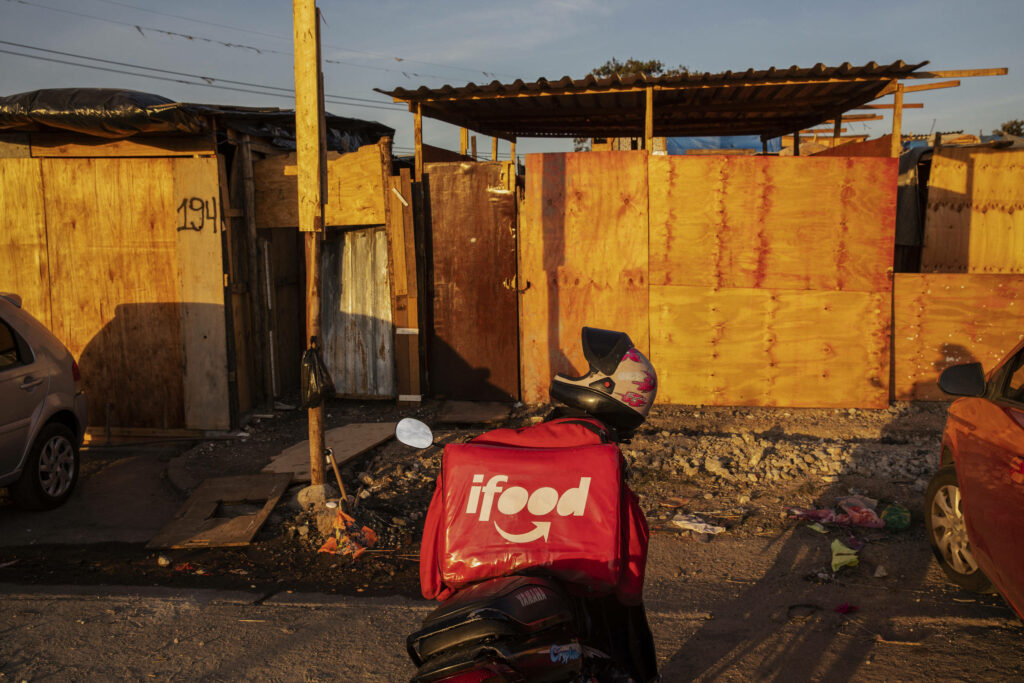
(514, 499)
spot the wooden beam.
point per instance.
(494, 149)
(418, 136)
(463, 140)
(838, 128)
(75, 145)
(472, 144)
(856, 117)
(309, 158)
(649, 120)
(897, 123)
(513, 143)
(796, 144)
(931, 86)
(906, 105)
(959, 73)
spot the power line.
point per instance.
(207, 79)
(178, 80)
(258, 50)
(289, 38)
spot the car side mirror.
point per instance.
(963, 380)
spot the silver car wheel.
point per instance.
(949, 530)
(56, 466)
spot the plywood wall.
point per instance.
(770, 279)
(974, 221)
(583, 259)
(355, 188)
(24, 268)
(947, 319)
(127, 253)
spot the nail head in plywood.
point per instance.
(196, 525)
(345, 442)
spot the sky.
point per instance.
(407, 43)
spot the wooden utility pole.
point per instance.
(311, 160)
(649, 120)
(897, 122)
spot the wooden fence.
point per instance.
(748, 280)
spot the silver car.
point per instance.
(42, 410)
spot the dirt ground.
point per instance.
(738, 468)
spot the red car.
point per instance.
(974, 507)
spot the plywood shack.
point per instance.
(974, 222)
(357, 298)
(121, 259)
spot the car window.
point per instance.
(9, 355)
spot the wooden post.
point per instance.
(515, 166)
(309, 159)
(257, 290)
(472, 145)
(897, 122)
(494, 149)
(418, 135)
(837, 129)
(796, 143)
(463, 141)
(764, 145)
(649, 120)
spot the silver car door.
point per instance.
(22, 389)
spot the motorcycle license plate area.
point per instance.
(510, 509)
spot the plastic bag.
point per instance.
(316, 382)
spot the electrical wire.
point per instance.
(258, 50)
(489, 74)
(178, 80)
(208, 79)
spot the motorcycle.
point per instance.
(556, 602)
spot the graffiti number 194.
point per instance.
(195, 211)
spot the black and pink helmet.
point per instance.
(620, 386)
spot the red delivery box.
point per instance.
(500, 509)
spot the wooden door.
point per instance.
(474, 348)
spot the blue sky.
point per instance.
(458, 41)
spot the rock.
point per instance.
(302, 530)
(366, 479)
(325, 522)
(315, 496)
(163, 561)
(364, 494)
(880, 572)
(744, 499)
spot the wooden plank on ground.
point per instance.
(208, 519)
(473, 412)
(947, 319)
(583, 259)
(114, 281)
(199, 228)
(776, 223)
(974, 222)
(770, 347)
(76, 145)
(346, 443)
(355, 189)
(24, 266)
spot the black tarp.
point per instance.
(112, 113)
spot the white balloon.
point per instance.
(412, 432)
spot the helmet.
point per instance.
(621, 384)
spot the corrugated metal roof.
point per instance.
(766, 102)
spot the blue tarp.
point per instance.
(681, 145)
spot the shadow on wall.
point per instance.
(948, 356)
(133, 369)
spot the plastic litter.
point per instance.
(695, 523)
(349, 538)
(843, 556)
(896, 517)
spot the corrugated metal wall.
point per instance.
(357, 325)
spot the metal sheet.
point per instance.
(358, 329)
